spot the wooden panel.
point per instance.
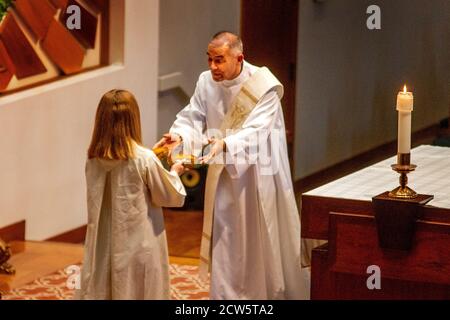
(269, 32)
(182, 241)
(63, 48)
(321, 281)
(104, 46)
(353, 287)
(396, 219)
(25, 60)
(315, 211)
(99, 5)
(339, 269)
(61, 4)
(86, 35)
(13, 232)
(7, 69)
(37, 14)
(354, 247)
(76, 235)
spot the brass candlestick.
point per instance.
(403, 167)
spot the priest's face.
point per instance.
(224, 63)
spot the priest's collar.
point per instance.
(239, 79)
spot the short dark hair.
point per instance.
(231, 39)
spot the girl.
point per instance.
(126, 253)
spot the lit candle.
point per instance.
(404, 108)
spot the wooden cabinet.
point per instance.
(340, 269)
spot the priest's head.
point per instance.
(225, 56)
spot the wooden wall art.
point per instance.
(38, 46)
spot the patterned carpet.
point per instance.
(184, 279)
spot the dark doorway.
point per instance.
(269, 33)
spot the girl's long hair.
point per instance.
(117, 127)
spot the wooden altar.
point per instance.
(342, 212)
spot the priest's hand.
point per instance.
(217, 147)
(167, 138)
(178, 167)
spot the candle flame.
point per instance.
(404, 89)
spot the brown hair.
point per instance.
(117, 126)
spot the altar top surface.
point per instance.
(432, 177)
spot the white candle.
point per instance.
(404, 107)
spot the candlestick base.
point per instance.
(403, 191)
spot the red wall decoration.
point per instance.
(37, 46)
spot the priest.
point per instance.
(251, 230)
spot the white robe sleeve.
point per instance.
(242, 146)
(166, 189)
(190, 123)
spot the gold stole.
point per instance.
(246, 100)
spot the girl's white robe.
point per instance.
(126, 254)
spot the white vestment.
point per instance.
(256, 226)
(126, 254)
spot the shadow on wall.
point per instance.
(170, 102)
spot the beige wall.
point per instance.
(186, 27)
(45, 131)
(348, 76)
